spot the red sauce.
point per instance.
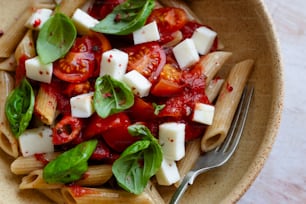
(20, 70)
(229, 88)
(36, 23)
(41, 158)
(79, 191)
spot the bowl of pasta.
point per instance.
(114, 101)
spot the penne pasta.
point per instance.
(8, 143)
(8, 64)
(95, 176)
(226, 105)
(35, 180)
(81, 195)
(154, 194)
(54, 195)
(212, 63)
(12, 36)
(25, 165)
(213, 89)
(26, 47)
(69, 6)
(45, 106)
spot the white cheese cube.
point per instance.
(38, 18)
(203, 113)
(82, 105)
(36, 141)
(147, 33)
(139, 84)
(83, 21)
(38, 71)
(168, 173)
(114, 63)
(186, 53)
(172, 140)
(203, 39)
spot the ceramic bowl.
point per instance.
(246, 29)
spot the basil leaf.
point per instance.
(19, 107)
(71, 165)
(126, 17)
(55, 38)
(111, 96)
(139, 162)
(158, 108)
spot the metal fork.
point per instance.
(221, 154)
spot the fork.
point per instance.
(220, 155)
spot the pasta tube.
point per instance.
(26, 47)
(69, 6)
(81, 195)
(9, 64)
(54, 195)
(8, 143)
(226, 105)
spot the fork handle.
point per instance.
(188, 179)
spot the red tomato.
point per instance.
(169, 20)
(20, 72)
(83, 59)
(118, 138)
(74, 89)
(147, 58)
(66, 130)
(101, 152)
(169, 82)
(101, 8)
(141, 110)
(75, 67)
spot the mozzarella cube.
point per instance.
(186, 53)
(203, 39)
(203, 113)
(38, 71)
(38, 18)
(168, 173)
(82, 105)
(83, 21)
(114, 63)
(36, 141)
(139, 84)
(147, 33)
(172, 140)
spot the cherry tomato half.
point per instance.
(169, 20)
(83, 59)
(146, 58)
(169, 82)
(66, 130)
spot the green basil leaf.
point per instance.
(126, 17)
(158, 108)
(139, 162)
(111, 96)
(55, 38)
(71, 165)
(19, 107)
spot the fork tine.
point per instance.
(238, 121)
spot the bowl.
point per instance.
(246, 29)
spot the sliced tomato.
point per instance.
(169, 82)
(83, 59)
(97, 125)
(66, 130)
(101, 8)
(74, 89)
(141, 110)
(169, 20)
(146, 58)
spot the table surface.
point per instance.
(283, 178)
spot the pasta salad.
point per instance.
(112, 99)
